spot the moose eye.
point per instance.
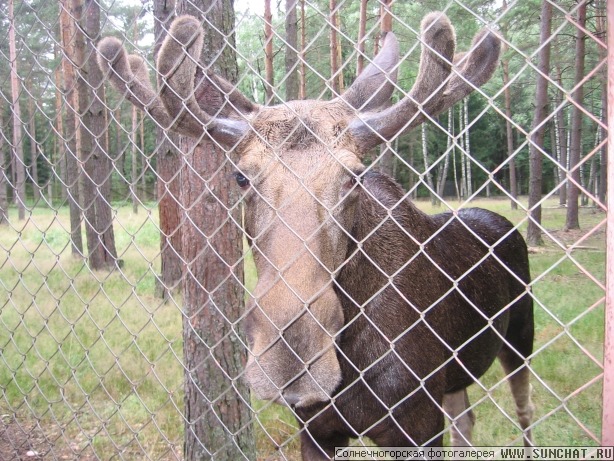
(242, 181)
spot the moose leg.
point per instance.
(320, 449)
(462, 419)
(518, 378)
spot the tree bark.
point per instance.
(465, 107)
(534, 235)
(427, 166)
(268, 53)
(4, 206)
(603, 156)
(169, 164)
(17, 145)
(94, 149)
(572, 220)
(291, 47)
(36, 191)
(70, 136)
(334, 43)
(218, 417)
(513, 181)
(387, 154)
(360, 43)
(302, 67)
(561, 136)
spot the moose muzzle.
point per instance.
(292, 326)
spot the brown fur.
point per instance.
(367, 311)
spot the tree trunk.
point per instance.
(218, 416)
(169, 164)
(59, 178)
(17, 145)
(441, 180)
(36, 191)
(67, 27)
(291, 57)
(96, 161)
(513, 182)
(4, 205)
(302, 66)
(268, 53)
(427, 167)
(463, 163)
(575, 147)
(387, 154)
(334, 54)
(561, 136)
(134, 173)
(360, 43)
(465, 106)
(534, 235)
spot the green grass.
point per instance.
(99, 356)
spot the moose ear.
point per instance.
(374, 86)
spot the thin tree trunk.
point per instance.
(169, 164)
(134, 173)
(441, 180)
(302, 67)
(218, 420)
(360, 43)
(534, 235)
(4, 205)
(36, 191)
(291, 55)
(334, 43)
(465, 106)
(561, 132)
(97, 163)
(427, 170)
(60, 150)
(507, 94)
(463, 166)
(71, 134)
(572, 220)
(144, 158)
(17, 145)
(268, 53)
(387, 155)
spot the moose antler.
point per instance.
(436, 88)
(193, 102)
(180, 81)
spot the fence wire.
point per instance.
(128, 267)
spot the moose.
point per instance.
(369, 318)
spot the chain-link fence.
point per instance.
(200, 268)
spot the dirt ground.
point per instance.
(26, 441)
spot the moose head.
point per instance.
(300, 165)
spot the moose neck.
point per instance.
(388, 231)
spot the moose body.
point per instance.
(419, 306)
(369, 317)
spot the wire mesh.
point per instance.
(129, 253)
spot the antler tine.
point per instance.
(374, 86)
(128, 73)
(476, 68)
(177, 66)
(438, 45)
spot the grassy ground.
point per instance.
(94, 359)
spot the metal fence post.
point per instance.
(607, 428)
